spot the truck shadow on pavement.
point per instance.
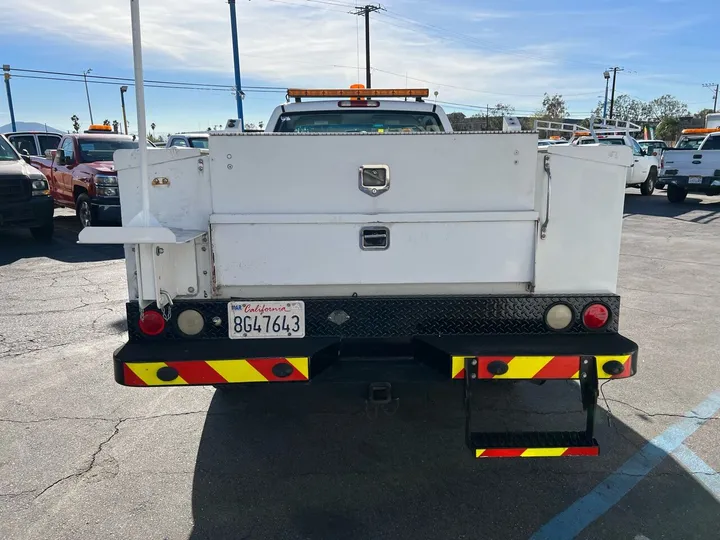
(16, 244)
(695, 209)
(301, 462)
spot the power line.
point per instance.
(438, 84)
(168, 87)
(458, 36)
(314, 7)
(131, 80)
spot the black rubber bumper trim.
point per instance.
(533, 345)
(430, 357)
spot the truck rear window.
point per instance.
(690, 144)
(102, 150)
(358, 121)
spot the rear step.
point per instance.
(536, 443)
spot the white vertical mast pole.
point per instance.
(140, 106)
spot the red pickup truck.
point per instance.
(81, 174)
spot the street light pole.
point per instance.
(87, 93)
(123, 89)
(236, 62)
(606, 74)
(6, 76)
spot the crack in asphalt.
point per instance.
(105, 419)
(93, 458)
(671, 415)
(90, 466)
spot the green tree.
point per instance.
(458, 121)
(75, 123)
(668, 129)
(667, 106)
(106, 122)
(626, 107)
(703, 113)
(553, 107)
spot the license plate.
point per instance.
(695, 180)
(272, 319)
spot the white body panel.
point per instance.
(437, 252)
(582, 248)
(319, 173)
(278, 216)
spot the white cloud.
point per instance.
(292, 42)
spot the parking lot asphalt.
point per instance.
(82, 457)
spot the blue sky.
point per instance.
(472, 53)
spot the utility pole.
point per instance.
(366, 11)
(123, 89)
(715, 87)
(87, 93)
(487, 117)
(236, 61)
(612, 98)
(6, 76)
(606, 74)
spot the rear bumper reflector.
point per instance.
(198, 372)
(537, 452)
(542, 367)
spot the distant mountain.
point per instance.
(30, 126)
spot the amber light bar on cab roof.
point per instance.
(358, 92)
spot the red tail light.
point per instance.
(662, 162)
(595, 316)
(152, 323)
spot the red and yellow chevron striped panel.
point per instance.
(539, 367)
(196, 372)
(537, 452)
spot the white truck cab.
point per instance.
(359, 241)
(357, 115)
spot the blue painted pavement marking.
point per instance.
(569, 523)
(700, 470)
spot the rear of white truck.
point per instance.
(693, 170)
(362, 242)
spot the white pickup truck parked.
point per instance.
(643, 172)
(360, 241)
(694, 170)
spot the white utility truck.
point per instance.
(695, 170)
(359, 240)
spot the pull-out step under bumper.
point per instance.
(470, 360)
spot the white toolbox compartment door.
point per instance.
(475, 248)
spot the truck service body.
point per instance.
(361, 241)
